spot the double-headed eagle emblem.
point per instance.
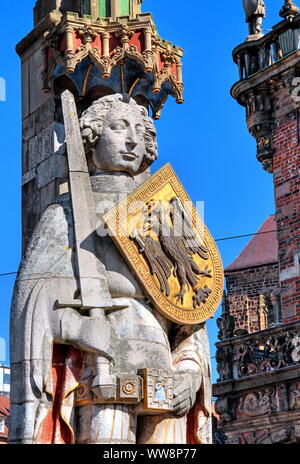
(171, 253)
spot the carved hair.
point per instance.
(92, 122)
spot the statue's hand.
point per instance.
(186, 386)
(95, 335)
(91, 334)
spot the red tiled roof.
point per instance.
(4, 405)
(262, 249)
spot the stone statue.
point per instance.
(66, 362)
(255, 12)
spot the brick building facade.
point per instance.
(259, 353)
(286, 167)
(253, 282)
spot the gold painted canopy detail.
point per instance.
(170, 250)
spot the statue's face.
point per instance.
(121, 146)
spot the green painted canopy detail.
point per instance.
(104, 8)
(124, 7)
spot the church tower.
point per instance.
(93, 48)
(258, 356)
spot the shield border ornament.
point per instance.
(113, 221)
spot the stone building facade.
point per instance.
(259, 354)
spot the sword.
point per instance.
(91, 272)
(92, 275)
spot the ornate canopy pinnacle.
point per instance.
(103, 47)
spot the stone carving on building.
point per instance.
(295, 354)
(262, 401)
(266, 355)
(255, 404)
(82, 323)
(260, 353)
(285, 433)
(294, 398)
(224, 362)
(261, 124)
(224, 409)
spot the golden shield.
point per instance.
(168, 247)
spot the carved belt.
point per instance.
(151, 390)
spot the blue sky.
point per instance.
(206, 139)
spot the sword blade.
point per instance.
(91, 271)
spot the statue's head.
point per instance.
(119, 134)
